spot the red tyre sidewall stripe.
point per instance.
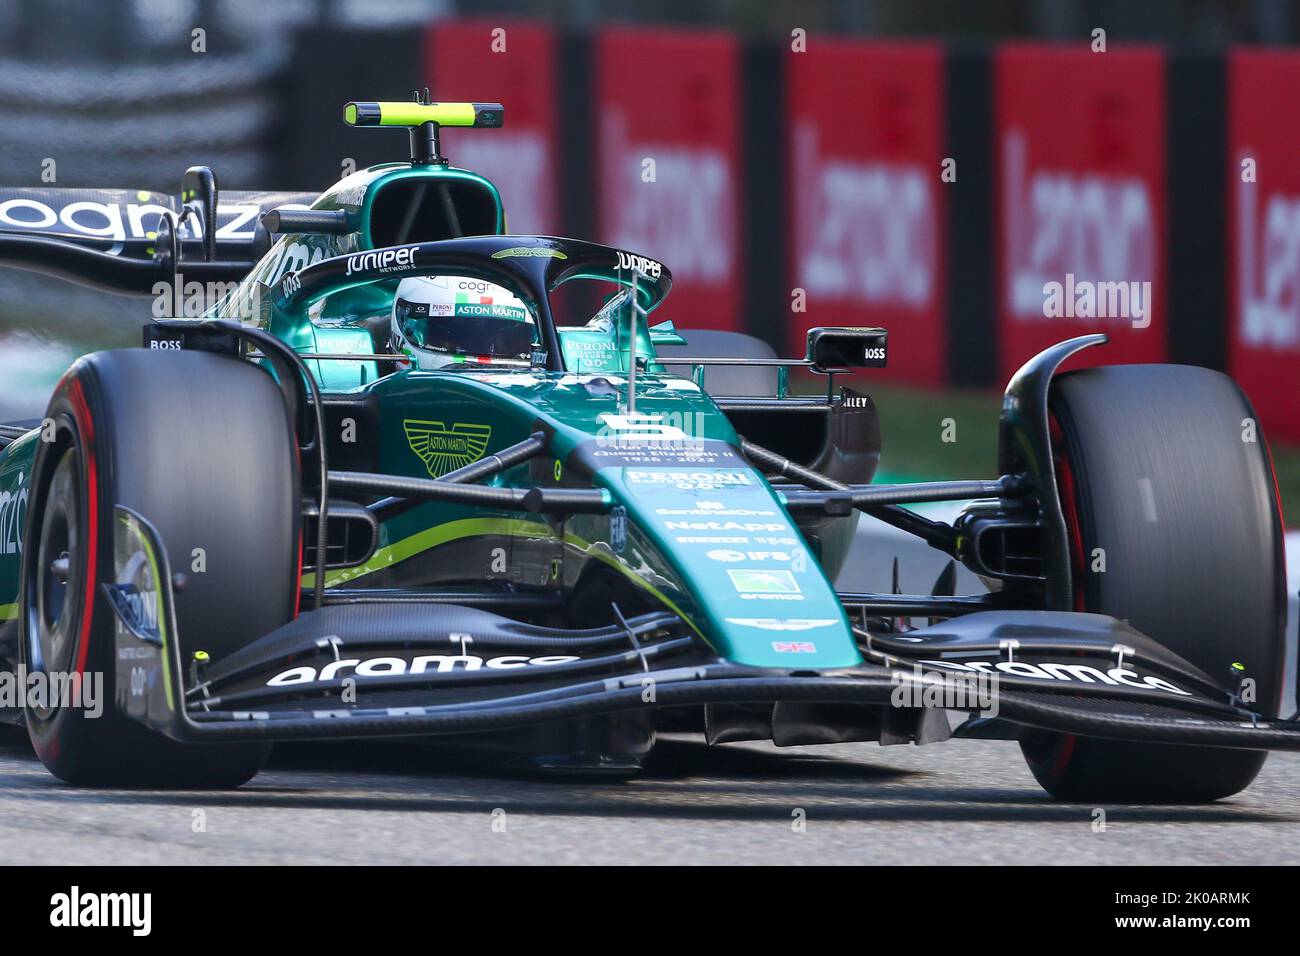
(86, 435)
(1277, 489)
(1061, 760)
(1067, 492)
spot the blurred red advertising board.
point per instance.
(668, 164)
(867, 206)
(1263, 181)
(509, 62)
(1080, 147)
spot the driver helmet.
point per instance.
(439, 321)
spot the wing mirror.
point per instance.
(847, 347)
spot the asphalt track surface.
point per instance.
(958, 802)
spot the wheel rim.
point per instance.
(52, 608)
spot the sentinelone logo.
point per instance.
(77, 909)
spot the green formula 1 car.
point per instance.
(411, 475)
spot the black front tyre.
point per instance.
(1166, 483)
(200, 445)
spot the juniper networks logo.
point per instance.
(77, 909)
(383, 260)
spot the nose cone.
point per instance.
(719, 545)
(760, 595)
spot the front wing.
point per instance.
(396, 667)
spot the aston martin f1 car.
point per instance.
(412, 475)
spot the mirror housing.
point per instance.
(665, 333)
(199, 197)
(847, 347)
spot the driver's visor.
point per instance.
(467, 328)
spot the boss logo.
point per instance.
(165, 344)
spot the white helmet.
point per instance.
(445, 320)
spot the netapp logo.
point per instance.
(74, 909)
(771, 526)
(384, 260)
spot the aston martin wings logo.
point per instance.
(444, 449)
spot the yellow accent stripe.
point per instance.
(470, 527)
(8, 611)
(430, 538)
(591, 550)
(146, 545)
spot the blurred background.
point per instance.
(925, 165)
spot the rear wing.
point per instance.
(125, 222)
(127, 240)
